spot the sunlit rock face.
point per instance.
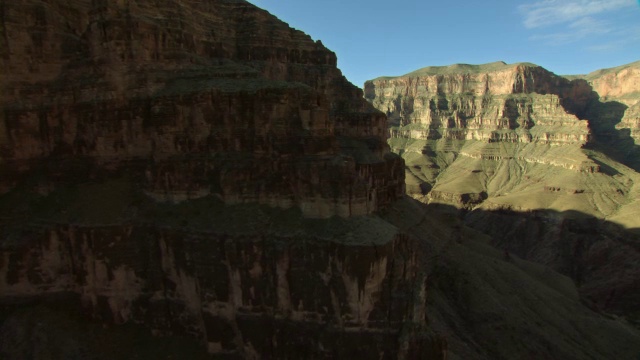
(491, 102)
(619, 83)
(546, 165)
(483, 116)
(469, 133)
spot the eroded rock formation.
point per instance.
(545, 163)
(617, 113)
(119, 118)
(482, 120)
(188, 88)
(250, 282)
(493, 102)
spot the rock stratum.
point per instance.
(188, 179)
(139, 84)
(546, 165)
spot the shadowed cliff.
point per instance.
(249, 279)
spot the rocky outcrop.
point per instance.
(249, 281)
(620, 85)
(492, 102)
(201, 170)
(204, 170)
(630, 122)
(182, 90)
(501, 113)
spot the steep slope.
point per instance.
(493, 305)
(536, 157)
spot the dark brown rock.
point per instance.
(200, 85)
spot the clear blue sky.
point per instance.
(393, 37)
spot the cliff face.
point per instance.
(493, 102)
(248, 284)
(620, 83)
(187, 165)
(188, 88)
(446, 121)
(631, 122)
(540, 160)
(620, 86)
(251, 281)
(444, 116)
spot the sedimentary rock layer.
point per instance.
(137, 137)
(543, 161)
(217, 98)
(250, 281)
(273, 285)
(203, 170)
(620, 86)
(492, 102)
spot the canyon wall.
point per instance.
(180, 91)
(545, 164)
(502, 132)
(493, 102)
(264, 286)
(138, 143)
(251, 281)
(620, 85)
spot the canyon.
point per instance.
(188, 179)
(546, 165)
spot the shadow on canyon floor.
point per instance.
(600, 256)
